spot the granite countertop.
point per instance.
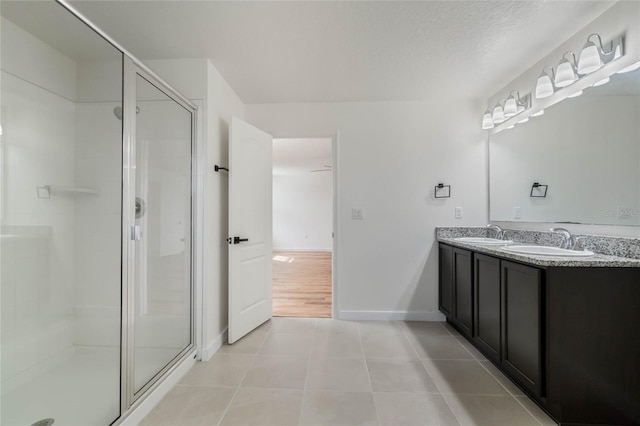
(597, 260)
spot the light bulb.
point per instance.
(544, 86)
(510, 107)
(487, 121)
(590, 59)
(498, 114)
(565, 74)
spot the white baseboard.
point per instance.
(328, 250)
(391, 316)
(149, 403)
(213, 346)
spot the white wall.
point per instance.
(621, 19)
(198, 79)
(302, 211)
(390, 157)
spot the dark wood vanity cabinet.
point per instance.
(569, 336)
(488, 327)
(522, 324)
(456, 287)
(445, 274)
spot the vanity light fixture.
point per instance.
(498, 114)
(566, 72)
(513, 106)
(487, 121)
(593, 56)
(544, 84)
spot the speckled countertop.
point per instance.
(449, 235)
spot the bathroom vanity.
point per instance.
(566, 330)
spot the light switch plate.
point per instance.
(517, 212)
(458, 211)
(357, 213)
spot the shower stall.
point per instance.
(96, 194)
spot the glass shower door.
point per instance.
(162, 298)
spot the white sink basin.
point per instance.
(483, 240)
(546, 251)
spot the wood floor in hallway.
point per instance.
(302, 284)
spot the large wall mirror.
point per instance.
(584, 151)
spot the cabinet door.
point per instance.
(486, 280)
(445, 294)
(522, 324)
(463, 290)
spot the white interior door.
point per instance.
(250, 228)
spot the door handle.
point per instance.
(236, 240)
(136, 233)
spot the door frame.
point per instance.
(335, 293)
(335, 263)
(129, 395)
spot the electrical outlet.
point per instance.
(517, 212)
(458, 211)
(357, 213)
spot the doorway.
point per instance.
(302, 227)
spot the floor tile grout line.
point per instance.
(306, 377)
(226, 410)
(366, 366)
(526, 409)
(243, 378)
(435, 382)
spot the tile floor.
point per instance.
(305, 371)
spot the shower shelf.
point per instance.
(47, 190)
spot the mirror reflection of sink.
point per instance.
(483, 240)
(546, 251)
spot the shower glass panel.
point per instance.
(60, 218)
(162, 296)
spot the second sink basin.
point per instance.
(483, 240)
(547, 251)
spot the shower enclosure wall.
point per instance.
(96, 159)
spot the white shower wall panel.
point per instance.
(37, 286)
(98, 159)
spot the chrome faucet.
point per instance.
(499, 231)
(568, 240)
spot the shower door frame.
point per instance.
(131, 67)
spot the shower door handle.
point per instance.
(136, 233)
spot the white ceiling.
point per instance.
(339, 51)
(300, 156)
